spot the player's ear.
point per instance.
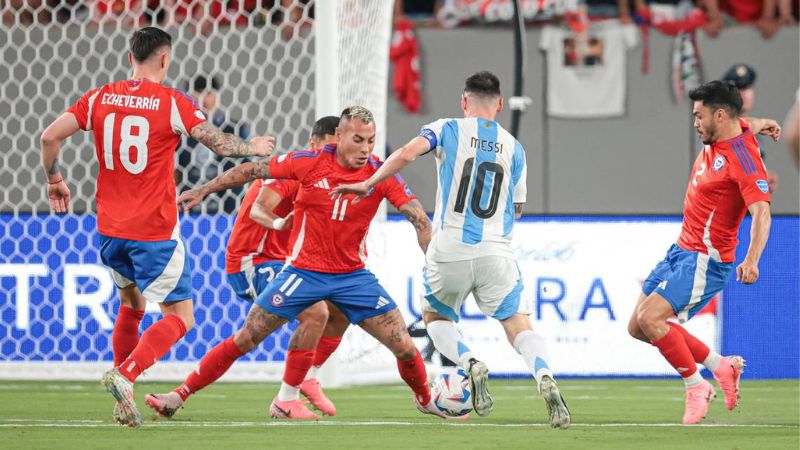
(130, 59)
(500, 105)
(463, 102)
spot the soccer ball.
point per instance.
(451, 393)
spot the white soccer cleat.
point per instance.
(478, 376)
(556, 407)
(122, 390)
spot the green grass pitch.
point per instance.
(614, 414)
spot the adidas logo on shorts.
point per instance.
(381, 303)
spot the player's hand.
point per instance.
(58, 195)
(190, 199)
(262, 145)
(283, 223)
(360, 190)
(772, 129)
(747, 272)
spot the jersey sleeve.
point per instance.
(396, 191)
(432, 133)
(283, 187)
(519, 174)
(185, 113)
(748, 170)
(293, 165)
(82, 109)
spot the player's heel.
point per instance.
(122, 390)
(478, 377)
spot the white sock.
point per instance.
(312, 372)
(712, 360)
(447, 340)
(532, 347)
(288, 392)
(694, 379)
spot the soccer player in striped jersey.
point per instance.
(728, 179)
(137, 124)
(481, 192)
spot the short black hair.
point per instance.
(200, 83)
(325, 126)
(146, 41)
(719, 94)
(485, 84)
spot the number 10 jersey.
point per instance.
(137, 126)
(482, 175)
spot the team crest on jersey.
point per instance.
(718, 163)
(199, 114)
(278, 299)
(763, 186)
(282, 157)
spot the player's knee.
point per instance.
(188, 320)
(406, 352)
(634, 330)
(244, 340)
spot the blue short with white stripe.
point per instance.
(357, 294)
(160, 269)
(249, 283)
(687, 280)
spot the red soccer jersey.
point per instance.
(251, 244)
(727, 177)
(137, 127)
(330, 235)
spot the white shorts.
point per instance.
(494, 281)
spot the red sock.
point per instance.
(325, 348)
(216, 362)
(699, 350)
(413, 372)
(674, 348)
(126, 332)
(155, 343)
(297, 364)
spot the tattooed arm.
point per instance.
(415, 214)
(235, 177)
(518, 210)
(225, 144)
(57, 191)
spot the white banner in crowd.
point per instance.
(582, 280)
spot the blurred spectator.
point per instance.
(744, 77)
(43, 11)
(608, 9)
(791, 129)
(767, 15)
(195, 165)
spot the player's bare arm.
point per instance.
(226, 144)
(394, 164)
(57, 191)
(766, 127)
(415, 213)
(518, 210)
(747, 271)
(263, 207)
(235, 177)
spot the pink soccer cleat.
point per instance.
(697, 400)
(313, 392)
(166, 405)
(432, 409)
(727, 375)
(290, 409)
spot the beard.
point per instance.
(711, 134)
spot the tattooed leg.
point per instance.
(390, 330)
(260, 324)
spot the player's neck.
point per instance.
(480, 113)
(144, 74)
(729, 132)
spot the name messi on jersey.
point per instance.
(486, 145)
(131, 101)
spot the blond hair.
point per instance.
(358, 112)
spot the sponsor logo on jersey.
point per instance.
(282, 157)
(762, 185)
(718, 163)
(277, 299)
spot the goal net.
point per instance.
(259, 70)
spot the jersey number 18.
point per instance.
(128, 140)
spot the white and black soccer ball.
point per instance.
(451, 393)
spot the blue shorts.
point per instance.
(249, 283)
(357, 294)
(687, 280)
(160, 269)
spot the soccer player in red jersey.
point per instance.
(137, 124)
(327, 252)
(728, 179)
(256, 253)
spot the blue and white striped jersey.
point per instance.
(482, 174)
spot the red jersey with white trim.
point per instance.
(137, 126)
(727, 177)
(329, 235)
(250, 243)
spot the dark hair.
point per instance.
(200, 83)
(718, 95)
(324, 126)
(485, 84)
(146, 41)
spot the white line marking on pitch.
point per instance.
(41, 423)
